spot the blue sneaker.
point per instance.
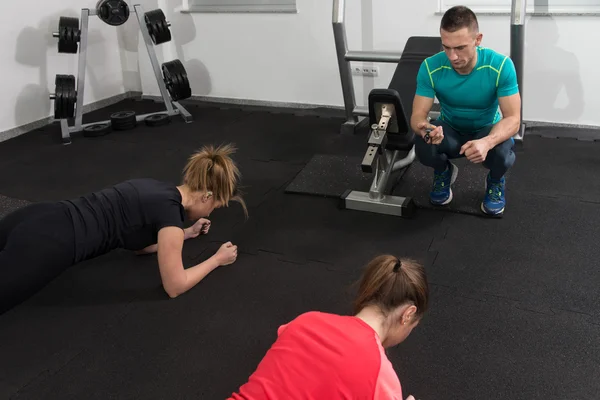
(494, 202)
(441, 193)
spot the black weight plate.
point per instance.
(185, 91)
(96, 130)
(161, 32)
(156, 22)
(68, 34)
(155, 16)
(166, 32)
(113, 12)
(123, 115)
(168, 78)
(62, 97)
(58, 93)
(176, 80)
(157, 119)
(123, 120)
(71, 95)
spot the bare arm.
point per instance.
(421, 108)
(175, 279)
(189, 233)
(508, 126)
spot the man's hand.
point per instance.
(475, 150)
(200, 227)
(435, 136)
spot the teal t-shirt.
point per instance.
(468, 103)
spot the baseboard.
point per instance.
(337, 111)
(250, 105)
(261, 105)
(19, 130)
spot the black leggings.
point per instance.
(37, 243)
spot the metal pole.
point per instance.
(85, 13)
(374, 56)
(341, 45)
(517, 49)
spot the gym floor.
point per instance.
(515, 308)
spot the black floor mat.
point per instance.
(490, 350)
(467, 191)
(510, 258)
(8, 205)
(508, 294)
(331, 175)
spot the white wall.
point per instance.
(30, 59)
(238, 56)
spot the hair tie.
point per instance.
(397, 266)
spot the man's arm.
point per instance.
(423, 100)
(509, 125)
(510, 105)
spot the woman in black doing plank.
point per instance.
(38, 242)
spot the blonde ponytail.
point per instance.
(212, 169)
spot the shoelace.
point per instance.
(439, 182)
(495, 191)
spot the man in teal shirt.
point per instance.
(480, 110)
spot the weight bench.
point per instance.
(390, 112)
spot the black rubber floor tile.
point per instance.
(468, 190)
(491, 350)
(304, 228)
(282, 137)
(191, 343)
(330, 175)
(47, 331)
(557, 167)
(512, 258)
(8, 205)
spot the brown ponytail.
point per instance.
(389, 282)
(212, 169)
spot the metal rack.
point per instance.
(172, 107)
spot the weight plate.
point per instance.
(65, 97)
(58, 108)
(157, 119)
(122, 115)
(156, 22)
(113, 12)
(71, 95)
(96, 130)
(68, 35)
(176, 81)
(123, 120)
(186, 90)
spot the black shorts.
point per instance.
(37, 243)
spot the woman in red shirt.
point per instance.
(327, 356)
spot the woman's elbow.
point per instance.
(172, 293)
(175, 288)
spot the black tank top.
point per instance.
(127, 215)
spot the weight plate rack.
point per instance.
(68, 95)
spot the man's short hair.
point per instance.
(459, 17)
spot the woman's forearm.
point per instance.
(148, 250)
(198, 272)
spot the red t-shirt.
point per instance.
(323, 356)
